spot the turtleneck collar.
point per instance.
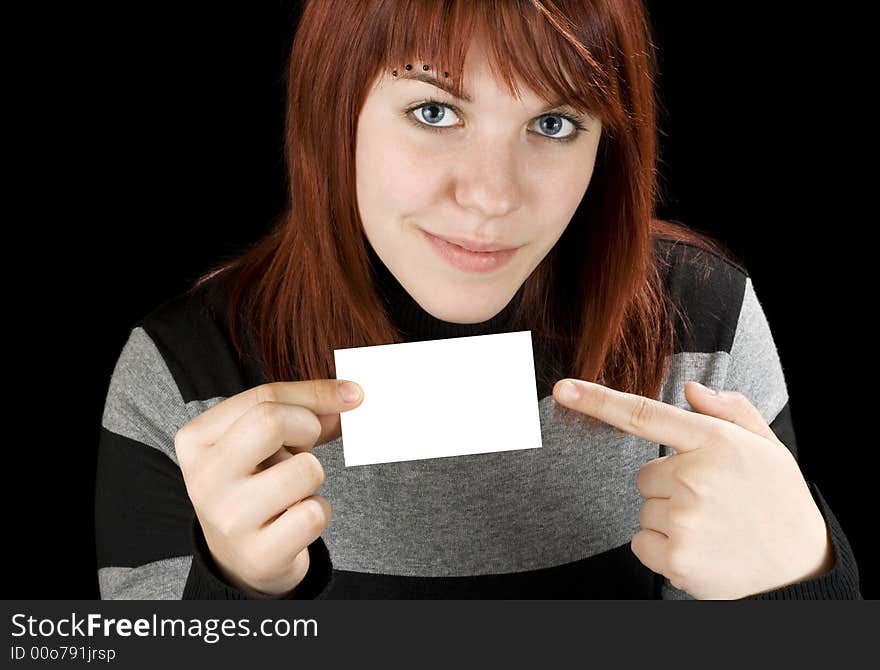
(416, 324)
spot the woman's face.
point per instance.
(490, 174)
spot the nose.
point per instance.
(488, 181)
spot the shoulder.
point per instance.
(189, 331)
(708, 290)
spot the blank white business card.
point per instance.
(449, 397)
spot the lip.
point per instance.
(473, 245)
(467, 260)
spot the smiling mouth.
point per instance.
(466, 260)
(475, 246)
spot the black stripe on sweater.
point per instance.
(142, 510)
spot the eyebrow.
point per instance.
(444, 86)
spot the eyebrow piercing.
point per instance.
(424, 67)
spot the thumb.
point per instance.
(730, 406)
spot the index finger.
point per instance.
(641, 416)
(322, 396)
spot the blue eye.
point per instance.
(433, 110)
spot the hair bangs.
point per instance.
(527, 47)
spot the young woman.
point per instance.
(462, 168)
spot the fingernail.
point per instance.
(349, 392)
(568, 392)
(706, 389)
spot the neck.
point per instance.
(415, 324)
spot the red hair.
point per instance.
(306, 287)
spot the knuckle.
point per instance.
(647, 471)
(641, 414)
(637, 544)
(315, 516)
(318, 391)
(267, 392)
(697, 480)
(309, 421)
(182, 442)
(269, 417)
(601, 398)
(309, 468)
(230, 524)
(677, 562)
(181, 437)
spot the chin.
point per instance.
(463, 316)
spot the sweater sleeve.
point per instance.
(204, 581)
(149, 543)
(755, 370)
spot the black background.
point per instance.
(164, 154)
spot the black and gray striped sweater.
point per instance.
(549, 523)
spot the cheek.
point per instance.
(394, 177)
(555, 195)
(560, 191)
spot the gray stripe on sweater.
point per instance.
(160, 580)
(755, 367)
(143, 401)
